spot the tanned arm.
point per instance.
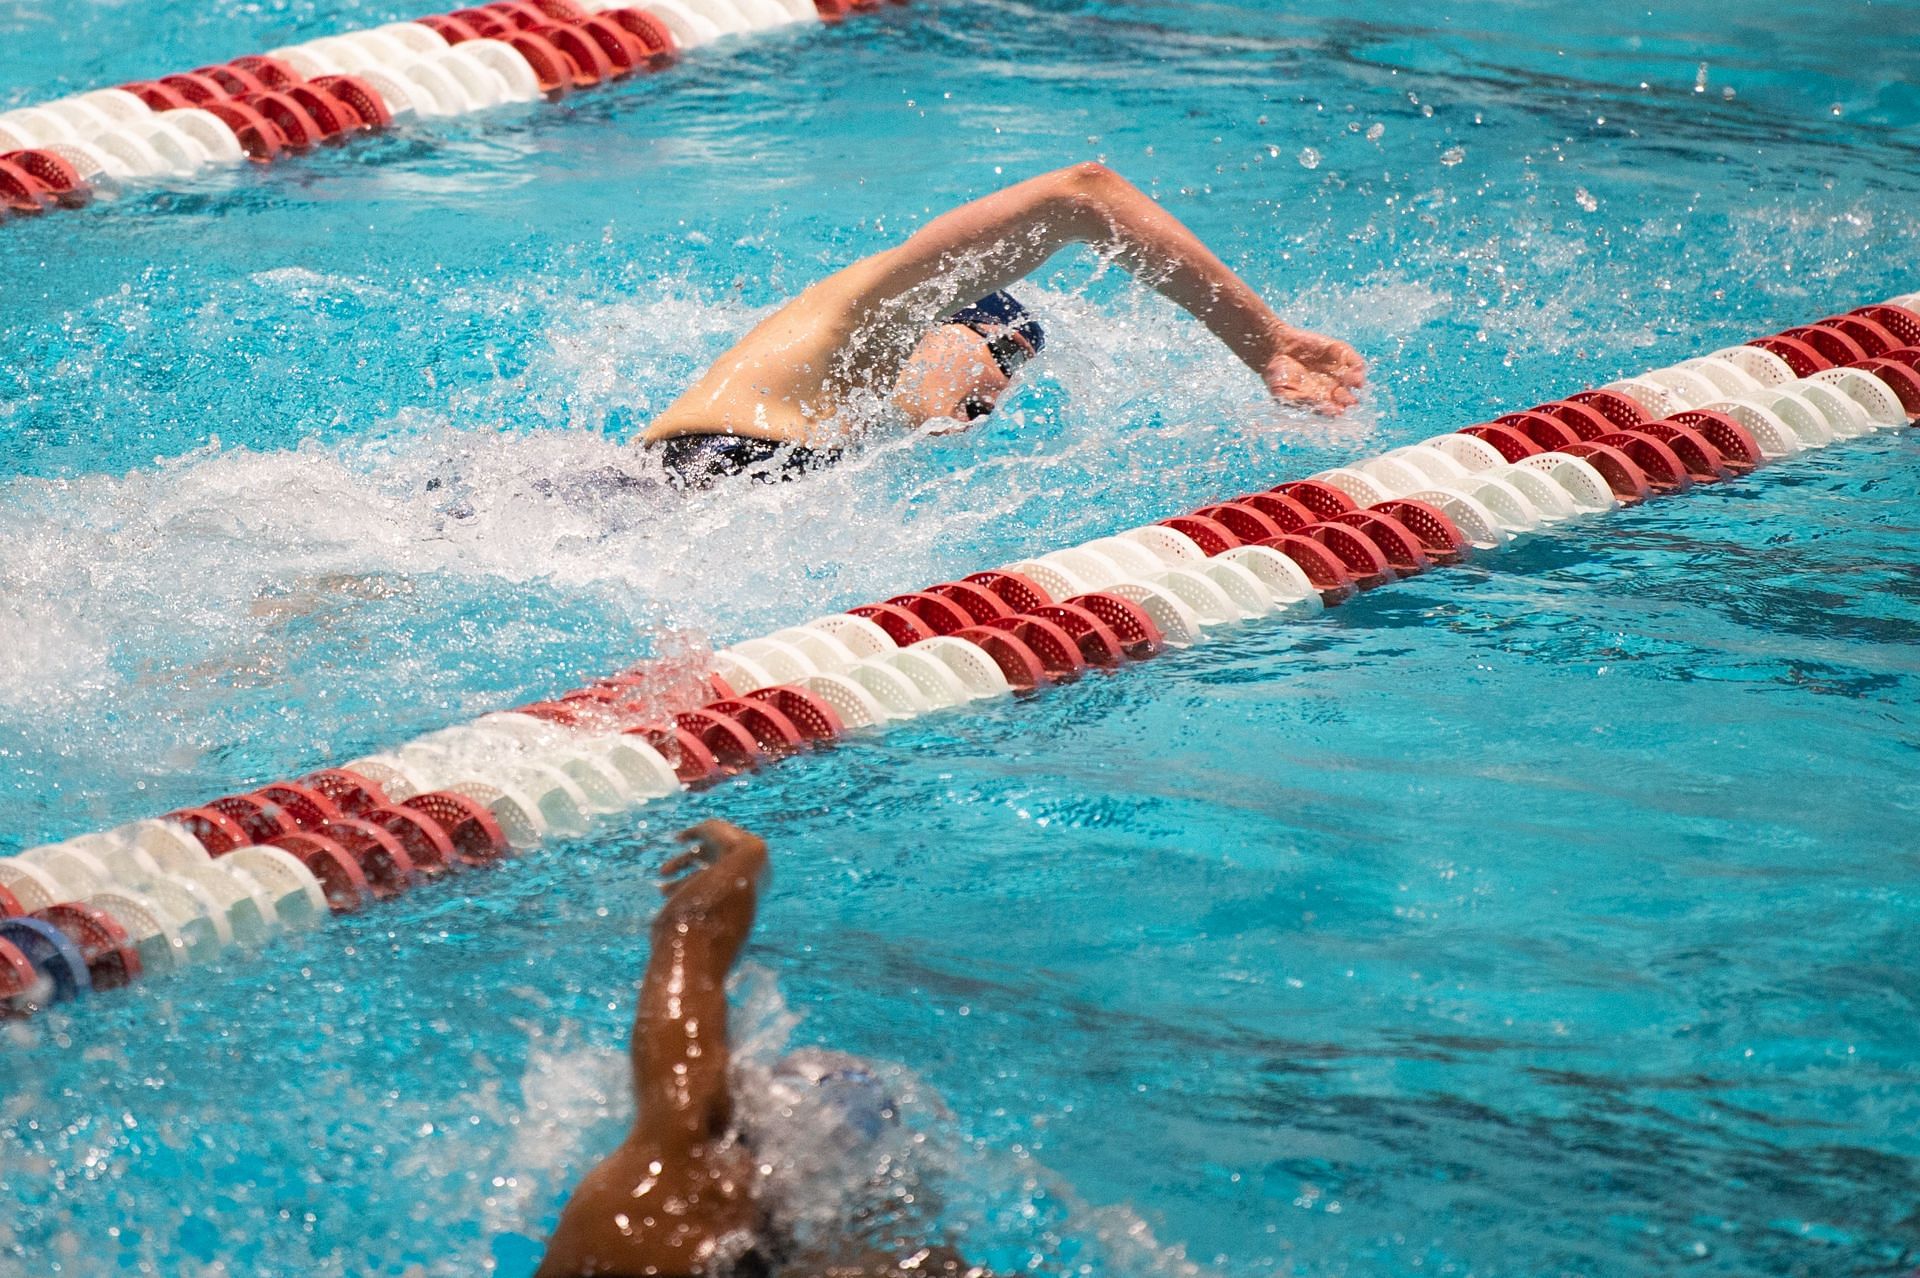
(660, 1201)
(679, 1047)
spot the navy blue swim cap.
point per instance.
(1013, 335)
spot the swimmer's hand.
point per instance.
(1315, 370)
(721, 851)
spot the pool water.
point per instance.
(1551, 915)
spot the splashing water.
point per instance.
(439, 566)
(914, 1176)
(885, 1165)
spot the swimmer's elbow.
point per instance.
(1089, 177)
(1090, 192)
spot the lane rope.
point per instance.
(101, 910)
(262, 108)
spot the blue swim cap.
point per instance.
(1013, 335)
(842, 1086)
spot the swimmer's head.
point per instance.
(839, 1099)
(963, 366)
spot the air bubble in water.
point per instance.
(1309, 158)
(1375, 133)
(1584, 198)
(1453, 155)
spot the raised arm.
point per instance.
(987, 244)
(679, 1047)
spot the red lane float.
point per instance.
(1326, 570)
(339, 874)
(1210, 535)
(1440, 538)
(1579, 417)
(1286, 514)
(1139, 637)
(1020, 592)
(1099, 644)
(20, 191)
(426, 845)
(902, 626)
(104, 946)
(1323, 500)
(1511, 443)
(686, 753)
(217, 832)
(383, 859)
(975, 600)
(813, 717)
(1365, 563)
(1703, 462)
(1543, 432)
(1058, 651)
(1022, 667)
(1803, 359)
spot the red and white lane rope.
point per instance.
(266, 107)
(102, 909)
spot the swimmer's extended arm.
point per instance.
(679, 1045)
(985, 245)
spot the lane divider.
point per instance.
(101, 910)
(285, 102)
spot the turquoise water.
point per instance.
(1554, 915)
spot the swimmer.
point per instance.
(930, 326)
(677, 1199)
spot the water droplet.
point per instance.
(1584, 198)
(1453, 155)
(1309, 158)
(1377, 132)
(1700, 79)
